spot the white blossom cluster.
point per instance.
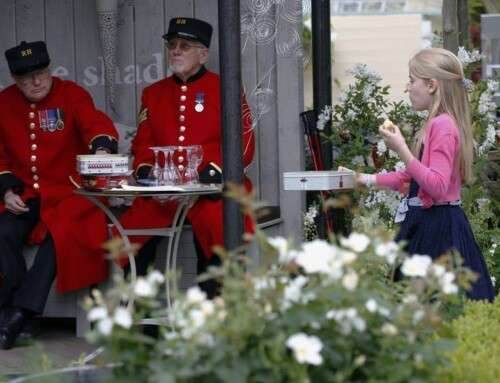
(310, 231)
(305, 348)
(189, 317)
(384, 197)
(107, 317)
(421, 266)
(324, 117)
(347, 320)
(467, 58)
(487, 108)
(361, 70)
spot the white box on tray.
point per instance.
(93, 164)
(318, 180)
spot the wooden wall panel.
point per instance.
(249, 78)
(60, 37)
(7, 40)
(207, 10)
(149, 44)
(291, 140)
(88, 60)
(265, 97)
(30, 20)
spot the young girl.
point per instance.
(432, 219)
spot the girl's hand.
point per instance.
(360, 179)
(392, 137)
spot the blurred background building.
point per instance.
(383, 34)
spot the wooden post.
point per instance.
(450, 25)
(463, 23)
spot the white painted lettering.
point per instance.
(154, 71)
(60, 71)
(90, 76)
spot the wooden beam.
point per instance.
(463, 23)
(450, 25)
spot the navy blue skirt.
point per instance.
(438, 229)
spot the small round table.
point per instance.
(185, 197)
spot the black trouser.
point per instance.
(146, 255)
(27, 289)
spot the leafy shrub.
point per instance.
(477, 356)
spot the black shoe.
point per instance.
(11, 328)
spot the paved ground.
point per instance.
(55, 346)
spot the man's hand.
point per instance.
(101, 151)
(14, 203)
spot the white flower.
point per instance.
(281, 246)
(197, 317)
(350, 280)
(393, 154)
(360, 360)
(389, 329)
(195, 296)
(122, 317)
(381, 147)
(493, 281)
(447, 284)
(438, 270)
(348, 257)
(410, 299)
(315, 256)
(387, 250)
(143, 288)
(356, 241)
(105, 326)
(371, 305)
(324, 117)
(417, 316)
(293, 291)
(358, 160)
(97, 313)
(155, 277)
(416, 266)
(306, 349)
(400, 165)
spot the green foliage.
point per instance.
(477, 356)
(354, 323)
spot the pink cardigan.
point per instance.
(438, 172)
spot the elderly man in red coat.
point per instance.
(44, 123)
(184, 109)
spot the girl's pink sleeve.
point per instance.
(393, 180)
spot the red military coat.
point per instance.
(43, 155)
(176, 113)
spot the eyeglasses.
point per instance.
(184, 46)
(26, 79)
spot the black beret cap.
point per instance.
(188, 28)
(27, 57)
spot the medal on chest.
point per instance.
(199, 102)
(51, 119)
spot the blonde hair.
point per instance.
(450, 97)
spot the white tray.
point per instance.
(318, 180)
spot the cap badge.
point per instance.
(199, 100)
(26, 52)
